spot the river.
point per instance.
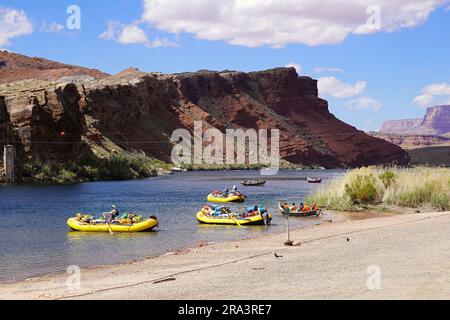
(34, 238)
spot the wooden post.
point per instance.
(8, 162)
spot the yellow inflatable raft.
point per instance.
(219, 199)
(145, 225)
(255, 220)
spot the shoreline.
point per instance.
(159, 173)
(183, 274)
(341, 215)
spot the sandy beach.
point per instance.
(394, 257)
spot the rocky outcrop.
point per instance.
(16, 67)
(437, 120)
(45, 125)
(138, 111)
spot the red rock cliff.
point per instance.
(139, 111)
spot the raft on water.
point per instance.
(218, 197)
(78, 224)
(314, 180)
(251, 183)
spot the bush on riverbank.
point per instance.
(412, 187)
(90, 168)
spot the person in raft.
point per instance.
(306, 208)
(112, 215)
(302, 206)
(225, 192)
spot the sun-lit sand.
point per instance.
(395, 257)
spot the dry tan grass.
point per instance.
(411, 187)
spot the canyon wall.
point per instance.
(137, 111)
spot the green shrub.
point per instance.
(66, 176)
(362, 189)
(387, 178)
(440, 201)
(27, 170)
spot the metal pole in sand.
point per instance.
(289, 242)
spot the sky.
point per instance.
(375, 59)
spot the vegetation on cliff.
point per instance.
(377, 186)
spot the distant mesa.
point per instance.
(431, 130)
(435, 122)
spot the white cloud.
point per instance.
(332, 69)
(364, 104)
(424, 100)
(133, 34)
(53, 27)
(436, 93)
(13, 23)
(437, 89)
(334, 87)
(277, 23)
(296, 66)
(125, 34)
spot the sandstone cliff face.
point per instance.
(15, 67)
(437, 120)
(44, 125)
(137, 111)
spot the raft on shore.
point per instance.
(307, 213)
(257, 220)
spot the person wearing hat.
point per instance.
(112, 215)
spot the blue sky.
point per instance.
(367, 77)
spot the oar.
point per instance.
(237, 222)
(109, 228)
